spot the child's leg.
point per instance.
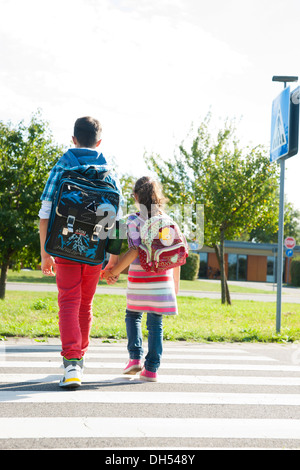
(90, 279)
(134, 334)
(155, 342)
(68, 280)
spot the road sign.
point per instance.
(284, 144)
(290, 243)
(280, 123)
(289, 253)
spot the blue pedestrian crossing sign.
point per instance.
(280, 124)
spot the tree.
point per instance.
(266, 233)
(27, 153)
(127, 182)
(237, 187)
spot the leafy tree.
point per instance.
(266, 233)
(27, 153)
(236, 186)
(127, 182)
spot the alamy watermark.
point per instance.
(188, 217)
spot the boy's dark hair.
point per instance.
(87, 131)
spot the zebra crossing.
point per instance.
(208, 396)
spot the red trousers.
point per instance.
(76, 285)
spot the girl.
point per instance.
(146, 291)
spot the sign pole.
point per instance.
(280, 245)
(284, 144)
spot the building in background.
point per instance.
(244, 261)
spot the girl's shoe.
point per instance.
(73, 373)
(148, 376)
(133, 367)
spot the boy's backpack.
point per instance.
(83, 215)
(163, 246)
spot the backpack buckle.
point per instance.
(70, 223)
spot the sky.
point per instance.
(149, 70)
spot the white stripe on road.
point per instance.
(183, 398)
(113, 355)
(112, 347)
(35, 428)
(163, 379)
(118, 347)
(164, 366)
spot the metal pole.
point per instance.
(283, 79)
(280, 245)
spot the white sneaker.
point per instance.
(73, 373)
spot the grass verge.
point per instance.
(35, 315)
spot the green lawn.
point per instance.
(34, 314)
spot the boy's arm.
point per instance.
(176, 275)
(47, 263)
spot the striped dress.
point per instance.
(148, 291)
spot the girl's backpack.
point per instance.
(163, 246)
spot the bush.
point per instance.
(189, 271)
(295, 272)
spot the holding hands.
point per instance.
(115, 266)
(108, 276)
(107, 273)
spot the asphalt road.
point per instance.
(210, 396)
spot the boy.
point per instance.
(76, 282)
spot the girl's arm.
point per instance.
(125, 261)
(176, 275)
